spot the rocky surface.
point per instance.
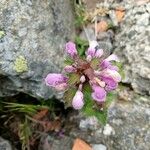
(127, 128)
(131, 40)
(133, 47)
(50, 143)
(32, 38)
(4, 144)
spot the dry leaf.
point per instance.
(119, 14)
(80, 145)
(40, 114)
(102, 26)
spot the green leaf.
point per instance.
(110, 98)
(74, 78)
(68, 96)
(101, 116)
(68, 61)
(89, 108)
(81, 45)
(2, 34)
(121, 70)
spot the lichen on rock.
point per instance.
(2, 33)
(20, 64)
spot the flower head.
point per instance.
(92, 70)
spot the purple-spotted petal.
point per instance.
(71, 49)
(99, 93)
(77, 101)
(54, 79)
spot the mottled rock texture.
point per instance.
(127, 128)
(133, 46)
(5, 145)
(32, 38)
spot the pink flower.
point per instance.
(111, 73)
(91, 52)
(77, 102)
(110, 83)
(69, 69)
(57, 81)
(112, 57)
(99, 53)
(99, 93)
(106, 63)
(71, 49)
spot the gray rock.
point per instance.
(32, 47)
(132, 46)
(128, 129)
(51, 143)
(99, 147)
(104, 38)
(113, 17)
(89, 123)
(5, 145)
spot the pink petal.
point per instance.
(61, 87)
(99, 93)
(99, 53)
(71, 49)
(54, 79)
(112, 57)
(69, 69)
(91, 52)
(111, 73)
(77, 102)
(105, 64)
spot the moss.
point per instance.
(20, 64)
(2, 33)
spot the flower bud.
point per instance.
(77, 102)
(82, 79)
(71, 49)
(69, 69)
(55, 80)
(89, 58)
(91, 52)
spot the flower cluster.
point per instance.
(94, 69)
